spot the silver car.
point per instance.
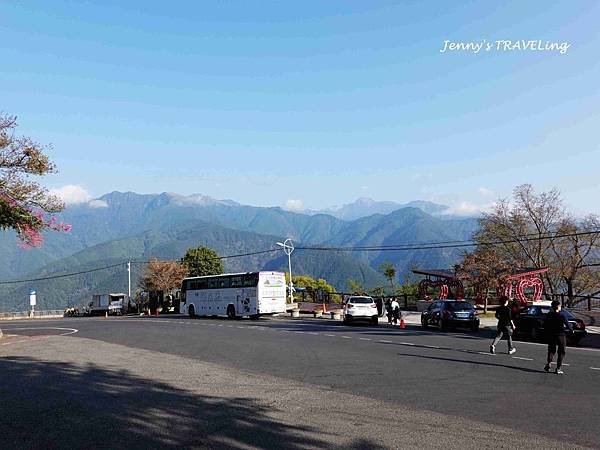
(360, 308)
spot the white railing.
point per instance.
(29, 315)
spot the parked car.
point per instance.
(446, 314)
(360, 308)
(530, 323)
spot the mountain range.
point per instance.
(363, 207)
(125, 226)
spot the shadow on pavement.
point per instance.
(60, 405)
(479, 363)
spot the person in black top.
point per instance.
(505, 326)
(379, 303)
(554, 325)
(388, 309)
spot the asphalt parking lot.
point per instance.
(450, 375)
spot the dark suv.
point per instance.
(530, 323)
(449, 314)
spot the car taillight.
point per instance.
(581, 325)
(447, 314)
(373, 305)
(474, 313)
(349, 306)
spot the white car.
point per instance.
(360, 308)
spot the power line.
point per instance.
(62, 275)
(121, 264)
(461, 241)
(239, 255)
(443, 245)
(398, 247)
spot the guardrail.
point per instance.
(50, 313)
(578, 302)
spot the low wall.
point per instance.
(20, 315)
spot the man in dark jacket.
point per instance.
(554, 325)
(505, 326)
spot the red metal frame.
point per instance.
(442, 280)
(512, 286)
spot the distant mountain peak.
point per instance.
(364, 201)
(365, 206)
(203, 200)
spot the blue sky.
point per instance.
(317, 102)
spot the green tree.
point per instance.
(25, 206)
(311, 283)
(355, 287)
(389, 271)
(378, 291)
(202, 261)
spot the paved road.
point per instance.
(446, 373)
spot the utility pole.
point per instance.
(129, 279)
(288, 248)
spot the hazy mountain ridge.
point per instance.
(172, 245)
(122, 226)
(364, 207)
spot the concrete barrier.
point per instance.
(19, 315)
(295, 313)
(335, 315)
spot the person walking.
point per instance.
(554, 325)
(395, 310)
(506, 326)
(388, 309)
(379, 303)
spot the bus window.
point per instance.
(212, 284)
(250, 280)
(223, 282)
(237, 282)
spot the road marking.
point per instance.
(70, 330)
(431, 346)
(365, 339)
(485, 353)
(595, 368)
(407, 343)
(523, 359)
(384, 341)
(299, 332)
(314, 334)
(346, 337)
(330, 335)
(241, 328)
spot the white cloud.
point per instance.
(294, 205)
(98, 204)
(466, 208)
(72, 194)
(484, 191)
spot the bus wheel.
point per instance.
(230, 312)
(191, 311)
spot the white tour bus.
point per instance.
(235, 295)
